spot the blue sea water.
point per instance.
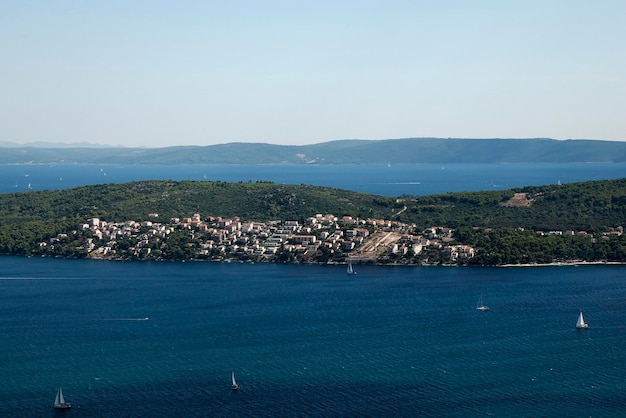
(392, 180)
(132, 339)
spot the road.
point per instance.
(374, 246)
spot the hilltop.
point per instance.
(389, 151)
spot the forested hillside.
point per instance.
(593, 205)
(395, 151)
(26, 218)
(503, 226)
(256, 201)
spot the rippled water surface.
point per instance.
(161, 339)
(386, 180)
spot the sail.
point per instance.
(234, 386)
(59, 399)
(581, 321)
(480, 306)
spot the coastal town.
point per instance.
(323, 238)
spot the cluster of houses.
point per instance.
(319, 238)
(612, 232)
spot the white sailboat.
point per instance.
(580, 324)
(350, 269)
(59, 401)
(480, 306)
(234, 385)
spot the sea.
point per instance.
(383, 179)
(161, 339)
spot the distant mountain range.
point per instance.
(43, 144)
(351, 151)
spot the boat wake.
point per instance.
(38, 278)
(127, 319)
(405, 182)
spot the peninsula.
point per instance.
(268, 222)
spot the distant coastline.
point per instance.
(387, 151)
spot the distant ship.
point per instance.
(480, 306)
(59, 401)
(234, 385)
(351, 270)
(581, 324)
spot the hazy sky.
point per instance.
(160, 73)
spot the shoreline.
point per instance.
(566, 263)
(573, 263)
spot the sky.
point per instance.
(161, 73)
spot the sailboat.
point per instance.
(480, 306)
(350, 269)
(234, 386)
(581, 322)
(59, 401)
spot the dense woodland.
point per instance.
(500, 234)
(591, 206)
